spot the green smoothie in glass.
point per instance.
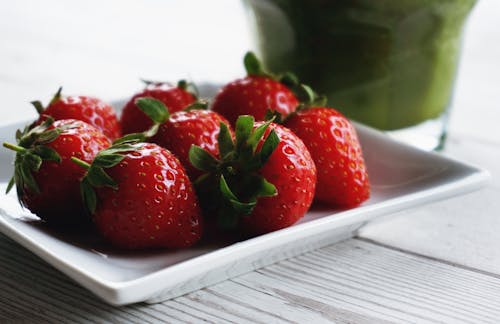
(390, 64)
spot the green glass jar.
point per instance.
(390, 64)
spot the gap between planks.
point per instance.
(428, 257)
(352, 281)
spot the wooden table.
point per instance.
(436, 263)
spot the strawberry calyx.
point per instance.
(144, 106)
(96, 175)
(304, 93)
(314, 101)
(31, 150)
(181, 84)
(39, 106)
(231, 185)
(156, 111)
(199, 104)
(189, 87)
(253, 66)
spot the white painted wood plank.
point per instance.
(256, 304)
(296, 312)
(38, 289)
(187, 310)
(10, 313)
(462, 230)
(217, 305)
(157, 314)
(350, 282)
(376, 282)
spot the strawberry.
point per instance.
(88, 109)
(174, 97)
(142, 198)
(334, 146)
(255, 94)
(264, 181)
(47, 181)
(139, 194)
(183, 129)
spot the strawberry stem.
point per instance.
(13, 147)
(81, 163)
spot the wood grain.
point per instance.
(351, 282)
(462, 230)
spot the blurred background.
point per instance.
(102, 48)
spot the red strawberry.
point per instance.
(265, 181)
(254, 95)
(183, 129)
(176, 98)
(334, 146)
(143, 197)
(88, 109)
(47, 181)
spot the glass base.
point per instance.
(428, 136)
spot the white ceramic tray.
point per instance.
(401, 177)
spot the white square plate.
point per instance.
(401, 177)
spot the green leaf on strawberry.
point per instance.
(91, 110)
(31, 152)
(46, 181)
(253, 65)
(39, 106)
(182, 84)
(234, 176)
(156, 112)
(199, 104)
(96, 175)
(304, 93)
(154, 109)
(189, 87)
(201, 159)
(262, 90)
(226, 145)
